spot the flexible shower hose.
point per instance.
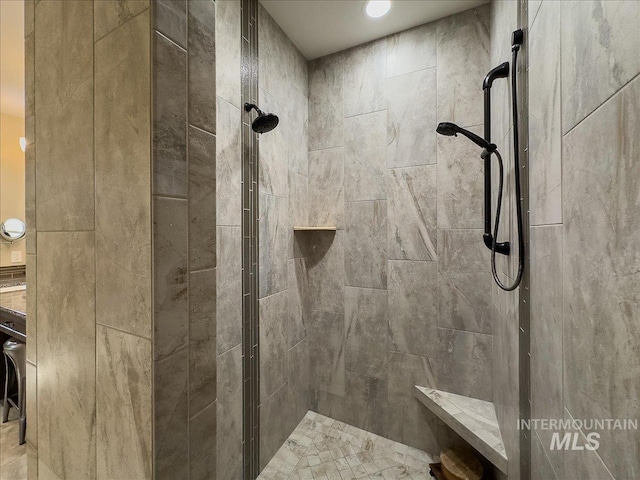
(516, 161)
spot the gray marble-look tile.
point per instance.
(411, 50)
(170, 17)
(298, 301)
(365, 251)
(461, 251)
(600, 198)
(228, 55)
(365, 156)
(228, 164)
(413, 308)
(29, 17)
(274, 149)
(202, 444)
(327, 352)
(463, 62)
(325, 266)
(275, 231)
(365, 312)
(202, 200)
(464, 365)
(541, 468)
(326, 187)
(124, 407)
(107, 16)
(202, 64)
(464, 301)
(298, 199)
(171, 416)
(546, 329)
(229, 414)
(411, 119)
(545, 145)
(365, 78)
(475, 15)
(326, 116)
(169, 118)
(298, 399)
(170, 276)
(30, 153)
(32, 309)
(600, 42)
(64, 116)
(412, 213)
(460, 182)
(297, 131)
(202, 340)
(123, 177)
(229, 288)
(274, 320)
(66, 422)
(32, 403)
(367, 404)
(409, 421)
(272, 424)
(584, 463)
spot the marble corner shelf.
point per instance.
(474, 420)
(314, 229)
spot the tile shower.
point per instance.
(400, 294)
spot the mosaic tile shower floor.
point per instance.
(321, 448)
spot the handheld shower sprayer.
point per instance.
(452, 130)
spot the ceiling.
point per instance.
(321, 27)
(12, 57)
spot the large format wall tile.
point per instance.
(584, 463)
(411, 213)
(365, 312)
(546, 330)
(274, 148)
(465, 363)
(272, 424)
(228, 37)
(170, 19)
(298, 301)
(365, 78)
(367, 403)
(202, 444)
(413, 308)
(66, 353)
(462, 251)
(545, 134)
(464, 301)
(202, 199)
(202, 65)
(326, 272)
(169, 118)
(110, 15)
(411, 50)
(274, 236)
(463, 62)
(229, 288)
(600, 44)
(297, 383)
(229, 414)
(364, 156)
(326, 187)
(327, 352)
(409, 421)
(460, 182)
(326, 102)
(274, 320)
(202, 340)
(600, 250)
(365, 257)
(411, 119)
(64, 115)
(124, 407)
(123, 164)
(228, 165)
(170, 285)
(297, 132)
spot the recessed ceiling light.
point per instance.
(378, 8)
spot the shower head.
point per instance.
(451, 130)
(264, 122)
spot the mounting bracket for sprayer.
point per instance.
(501, 71)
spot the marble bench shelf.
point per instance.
(474, 420)
(314, 229)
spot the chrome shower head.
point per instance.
(264, 122)
(452, 130)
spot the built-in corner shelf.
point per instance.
(474, 420)
(314, 229)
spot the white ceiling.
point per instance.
(12, 57)
(321, 27)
